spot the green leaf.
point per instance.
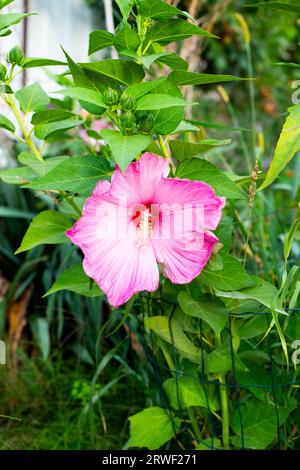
(220, 360)
(125, 7)
(259, 423)
(169, 31)
(140, 89)
(202, 170)
(51, 115)
(41, 167)
(211, 310)
(18, 176)
(99, 40)
(154, 101)
(266, 294)
(87, 79)
(75, 280)
(32, 98)
(173, 61)
(4, 3)
(126, 38)
(228, 274)
(254, 326)
(31, 62)
(84, 94)
(182, 150)
(10, 19)
(182, 77)
(191, 393)
(157, 9)
(6, 124)
(161, 327)
(48, 227)
(288, 145)
(47, 130)
(125, 148)
(166, 120)
(77, 174)
(123, 71)
(290, 237)
(40, 329)
(277, 6)
(151, 428)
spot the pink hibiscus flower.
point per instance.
(142, 220)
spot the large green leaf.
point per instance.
(226, 273)
(125, 7)
(265, 293)
(211, 310)
(140, 89)
(38, 166)
(190, 393)
(18, 176)
(30, 62)
(48, 227)
(151, 428)
(48, 130)
(288, 145)
(6, 124)
(32, 98)
(77, 174)
(156, 101)
(259, 423)
(182, 77)
(166, 120)
(182, 150)
(85, 94)
(157, 9)
(221, 361)
(162, 327)
(123, 71)
(52, 115)
(10, 19)
(202, 170)
(75, 280)
(125, 148)
(285, 6)
(99, 40)
(172, 30)
(126, 38)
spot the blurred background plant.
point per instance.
(69, 360)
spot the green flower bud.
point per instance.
(146, 124)
(127, 121)
(126, 102)
(2, 73)
(111, 96)
(15, 56)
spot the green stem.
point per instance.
(190, 409)
(71, 202)
(224, 405)
(166, 153)
(10, 101)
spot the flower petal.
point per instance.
(183, 260)
(138, 183)
(192, 193)
(112, 255)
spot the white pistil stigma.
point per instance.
(145, 225)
